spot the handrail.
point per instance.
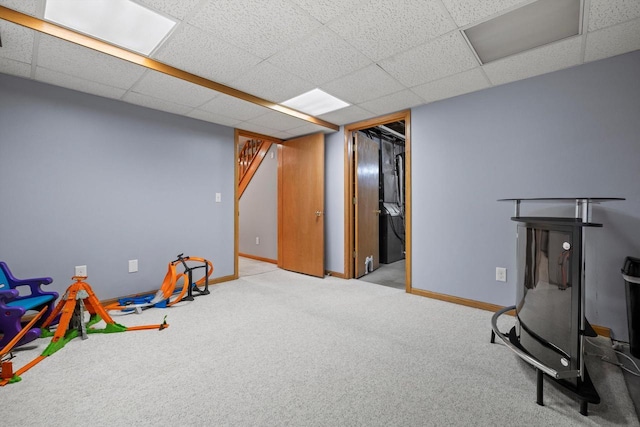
(249, 158)
(247, 154)
(524, 356)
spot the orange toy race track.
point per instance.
(78, 298)
(169, 292)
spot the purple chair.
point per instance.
(18, 297)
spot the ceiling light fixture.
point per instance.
(119, 22)
(315, 102)
(536, 24)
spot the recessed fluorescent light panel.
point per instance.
(315, 102)
(119, 22)
(536, 24)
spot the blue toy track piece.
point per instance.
(143, 299)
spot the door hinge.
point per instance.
(355, 200)
(355, 254)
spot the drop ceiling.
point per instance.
(380, 56)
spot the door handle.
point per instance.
(318, 213)
(377, 212)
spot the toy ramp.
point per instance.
(173, 289)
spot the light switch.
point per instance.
(218, 197)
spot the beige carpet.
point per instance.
(279, 348)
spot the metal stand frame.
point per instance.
(585, 392)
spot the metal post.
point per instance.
(583, 282)
(517, 208)
(577, 214)
(584, 408)
(585, 210)
(539, 388)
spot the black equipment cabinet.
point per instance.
(391, 229)
(550, 298)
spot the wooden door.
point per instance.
(367, 207)
(301, 197)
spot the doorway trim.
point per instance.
(349, 179)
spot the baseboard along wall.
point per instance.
(600, 330)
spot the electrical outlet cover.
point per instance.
(81, 270)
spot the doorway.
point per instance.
(283, 213)
(378, 221)
(257, 203)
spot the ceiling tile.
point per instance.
(465, 82)
(363, 85)
(259, 28)
(30, 7)
(171, 89)
(17, 42)
(320, 58)
(380, 28)
(156, 104)
(326, 10)
(282, 135)
(76, 83)
(15, 68)
(213, 118)
(346, 115)
(309, 128)
(75, 60)
(198, 52)
(546, 59)
(177, 9)
(251, 127)
(613, 41)
(271, 83)
(391, 103)
(278, 121)
(415, 43)
(229, 106)
(604, 13)
(442, 57)
(469, 11)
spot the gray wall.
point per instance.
(91, 181)
(87, 180)
(259, 210)
(572, 133)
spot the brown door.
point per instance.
(367, 207)
(301, 219)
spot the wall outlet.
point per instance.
(501, 274)
(133, 265)
(257, 240)
(81, 270)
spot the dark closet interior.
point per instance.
(391, 161)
